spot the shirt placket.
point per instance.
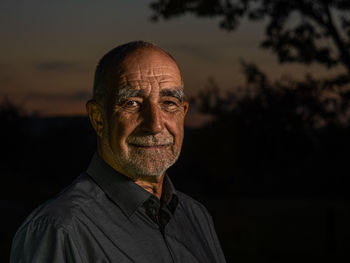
(161, 217)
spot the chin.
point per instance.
(138, 162)
(137, 172)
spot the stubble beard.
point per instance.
(137, 161)
(152, 163)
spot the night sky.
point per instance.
(49, 49)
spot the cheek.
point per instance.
(121, 128)
(176, 128)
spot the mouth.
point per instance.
(151, 146)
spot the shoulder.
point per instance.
(61, 211)
(51, 229)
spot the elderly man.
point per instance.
(125, 208)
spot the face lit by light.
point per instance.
(145, 125)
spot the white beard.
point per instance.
(140, 162)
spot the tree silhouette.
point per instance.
(308, 103)
(319, 32)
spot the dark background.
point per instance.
(276, 193)
(271, 166)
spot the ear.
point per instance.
(186, 106)
(96, 117)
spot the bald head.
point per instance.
(105, 82)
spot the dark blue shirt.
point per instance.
(104, 216)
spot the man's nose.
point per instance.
(152, 119)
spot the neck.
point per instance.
(151, 184)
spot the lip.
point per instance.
(149, 147)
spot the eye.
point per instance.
(131, 105)
(170, 105)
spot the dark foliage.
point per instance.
(283, 126)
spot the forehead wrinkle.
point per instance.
(145, 81)
(153, 71)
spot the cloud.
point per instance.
(75, 96)
(56, 65)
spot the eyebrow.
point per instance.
(176, 93)
(123, 94)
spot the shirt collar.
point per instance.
(123, 191)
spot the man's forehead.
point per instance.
(153, 71)
(143, 69)
(144, 78)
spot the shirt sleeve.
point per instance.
(44, 242)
